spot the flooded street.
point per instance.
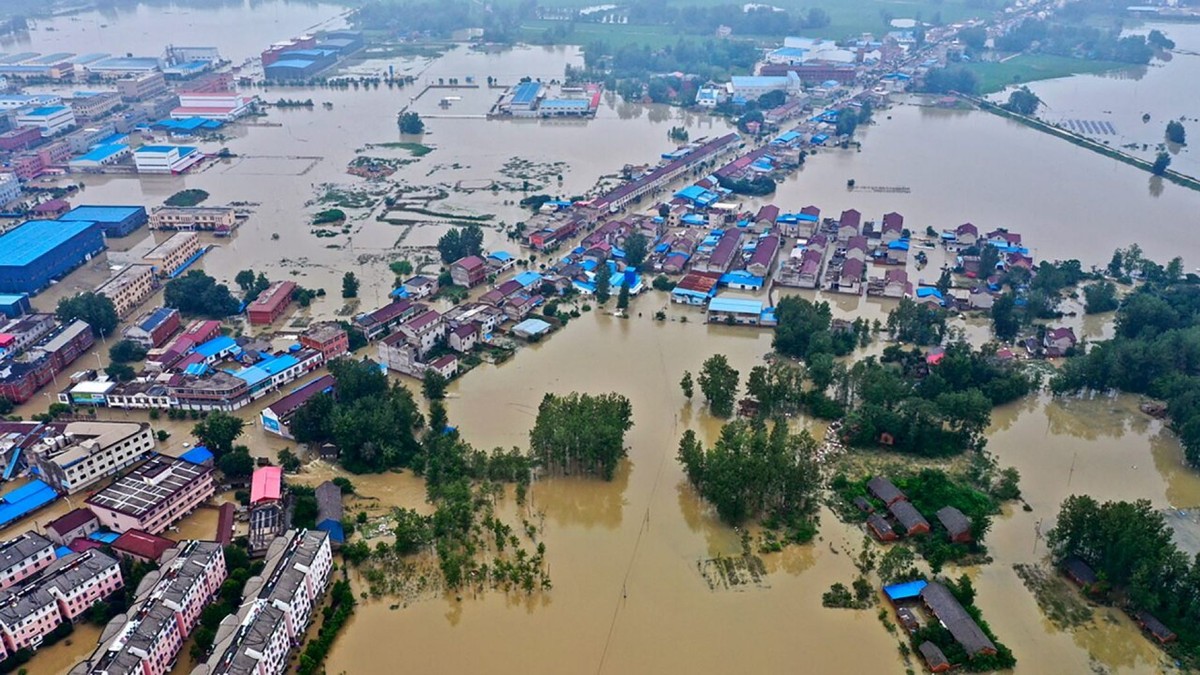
(623, 556)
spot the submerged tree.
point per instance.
(757, 472)
(719, 383)
(581, 433)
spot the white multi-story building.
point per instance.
(146, 640)
(76, 455)
(129, 288)
(50, 119)
(423, 331)
(169, 256)
(276, 608)
(166, 158)
(154, 496)
(24, 556)
(10, 188)
(191, 218)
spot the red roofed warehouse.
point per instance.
(271, 303)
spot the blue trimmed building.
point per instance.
(116, 221)
(39, 251)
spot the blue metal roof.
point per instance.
(18, 503)
(528, 279)
(102, 152)
(292, 63)
(526, 92)
(45, 111)
(532, 326)
(197, 455)
(503, 256)
(31, 240)
(104, 537)
(906, 591)
(155, 318)
(742, 278)
(215, 346)
(899, 245)
(736, 306)
(102, 214)
(565, 104)
(334, 529)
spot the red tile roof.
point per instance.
(142, 544)
(71, 520)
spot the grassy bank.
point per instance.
(1171, 175)
(995, 76)
(845, 19)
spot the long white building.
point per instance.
(78, 454)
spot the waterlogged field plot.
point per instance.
(734, 573)
(259, 165)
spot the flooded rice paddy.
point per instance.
(624, 556)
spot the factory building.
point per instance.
(166, 158)
(50, 120)
(116, 221)
(38, 251)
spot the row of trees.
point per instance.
(1131, 549)
(1072, 39)
(98, 311)
(372, 421)
(1155, 351)
(923, 409)
(581, 433)
(757, 471)
(198, 294)
(460, 242)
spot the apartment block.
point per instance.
(75, 455)
(24, 556)
(171, 255)
(146, 640)
(129, 288)
(276, 608)
(67, 589)
(154, 496)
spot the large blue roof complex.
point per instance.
(526, 92)
(18, 503)
(34, 239)
(101, 214)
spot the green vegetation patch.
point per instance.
(329, 216)
(189, 197)
(996, 75)
(417, 149)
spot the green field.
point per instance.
(995, 76)
(847, 18)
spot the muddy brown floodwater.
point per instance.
(628, 596)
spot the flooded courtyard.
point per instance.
(625, 556)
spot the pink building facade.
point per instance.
(150, 635)
(67, 589)
(24, 556)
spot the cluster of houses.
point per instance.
(202, 369)
(1082, 574)
(905, 519)
(938, 603)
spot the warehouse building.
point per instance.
(36, 252)
(100, 157)
(271, 303)
(166, 158)
(116, 221)
(50, 120)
